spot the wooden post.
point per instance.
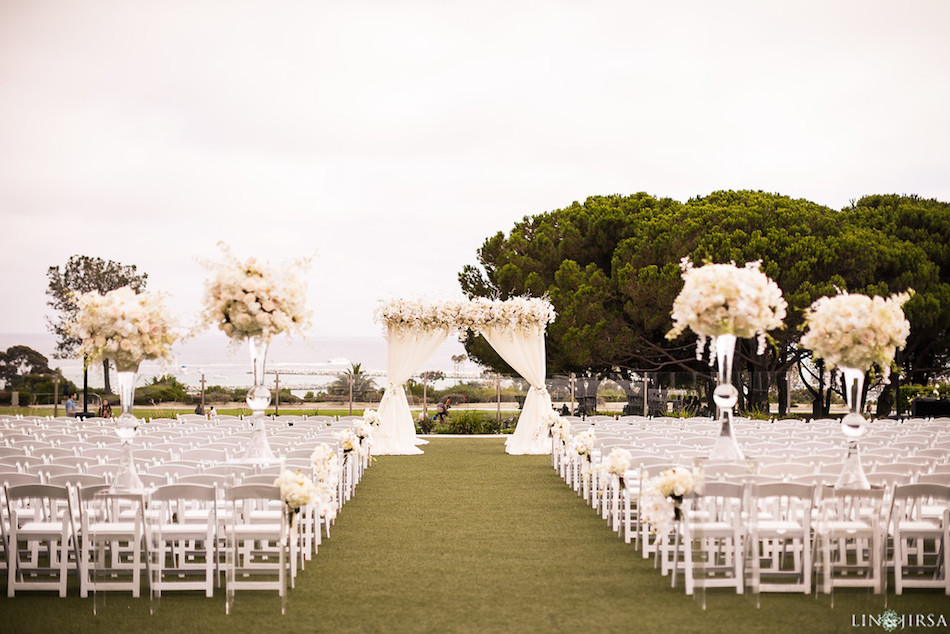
(55, 396)
(277, 397)
(202, 391)
(498, 396)
(573, 382)
(351, 393)
(425, 399)
(646, 389)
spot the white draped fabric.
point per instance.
(406, 351)
(523, 350)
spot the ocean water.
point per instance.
(303, 364)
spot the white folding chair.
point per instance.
(113, 549)
(920, 515)
(256, 551)
(39, 518)
(780, 526)
(183, 554)
(849, 535)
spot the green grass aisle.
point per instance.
(467, 539)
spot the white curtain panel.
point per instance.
(523, 350)
(406, 351)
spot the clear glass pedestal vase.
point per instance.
(258, 398)
(853, 426)
(126, 478)
(726, 448)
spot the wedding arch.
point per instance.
(414, 329)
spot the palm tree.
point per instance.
(363, 385)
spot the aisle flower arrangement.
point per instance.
(553, 425)
(583, 444)
(662, 496)
(723, 299)
(252, 299)
(617, 463)
(350, 441)
(857, 331)
(371, 416)
(296, 491)
(124, 326)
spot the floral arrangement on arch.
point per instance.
(124, 326)
(516, 313)
(857, 331)
(723, 299)
(417, 314)
(524, 313)
(250, 298)
(663, 494)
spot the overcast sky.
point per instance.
(392, 137)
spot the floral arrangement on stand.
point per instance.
(857, 331)
(296, 491)
(124, 326)
(251, 299)
(723, 299)
(662, 497)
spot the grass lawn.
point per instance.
(468, 539)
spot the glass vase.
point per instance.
(725, 396)
(853, 426)
(258, 398)
(126, 478)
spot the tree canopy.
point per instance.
(611, 268)
(82, 274)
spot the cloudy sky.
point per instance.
(391, 138)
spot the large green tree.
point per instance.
(82, 274)
(20, 361)
(611, 268)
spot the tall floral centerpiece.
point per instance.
(853, 332)
(722, 302)
(129, 328)
(250, 300)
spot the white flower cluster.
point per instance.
(658, 502)
(857, 331)
(326, 473)
(125, 326)
(296, 489)
(351, 442)
(253, 299)
(364, 431)
(617, 463)
(480, 313)
(510, 314)
(418, 314)
(583, 443)
(723, 299)
(371, 416)
(555, 426)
